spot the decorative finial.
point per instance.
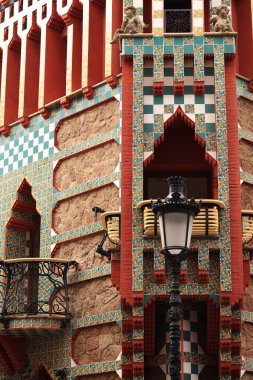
(132, 24)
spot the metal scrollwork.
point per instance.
(34, 287)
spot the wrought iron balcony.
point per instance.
(247, 228)
(205, 225)
(34, 287)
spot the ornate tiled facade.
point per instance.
(83, 124)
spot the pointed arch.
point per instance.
(23, 227)
(180, 151)
(42, 373)
(179, 115)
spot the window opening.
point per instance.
(178, 16)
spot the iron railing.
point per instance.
(178, 21)
(34, 286)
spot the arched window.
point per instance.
(180, 153)
(23, 241)
(177, 16)
(23, 227)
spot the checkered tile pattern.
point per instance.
(189, 344)
(199, 108)
(27, 149)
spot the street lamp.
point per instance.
(175, 215)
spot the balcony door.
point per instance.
(177, 16)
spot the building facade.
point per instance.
(89, 131)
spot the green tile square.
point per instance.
(208, 49)
(194, 348)
(194, 369)
(158, 40)
(158, 99)
(210, 108)
(188, 71)
(11, 151)
(168, 72)
(148, 90)
(202, 135)
(46, 145)
(168, 49)
(187, 336)
(35, 149)
(138, 41)
(210, 127)
(148, 127)
(128, 50)
(41, 139)
(218, 40)
(16, 142)
(188, 49)
(157, 135)
(30, 144)
(148, 72)
(178, 41)
(199, 99)
(187, 376)
(179, 99)
(198, 40)
(229, 49)
(148, 109)
(148, 49)
(188, 90)
(168, 90)
(209, 71)
(209, 89)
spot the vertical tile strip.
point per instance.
(178, 62)
(199, 71)
(137, 167)
(198, 17)
(157, 16)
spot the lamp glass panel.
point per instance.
(175, 229)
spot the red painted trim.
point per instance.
(126, 181)
(20, 224)
(117, 14)
(234, 182)
(25, 207)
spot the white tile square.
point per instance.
(189, 99)
(209, 99)
(148, 81)
(210, 118)
(199, 108)
(168, 99)
(148, 100)
(187, 367)
(209, 81)
(188, 81)
(168, 81)
(148, 119)
(158, 109)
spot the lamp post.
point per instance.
(175, 215)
